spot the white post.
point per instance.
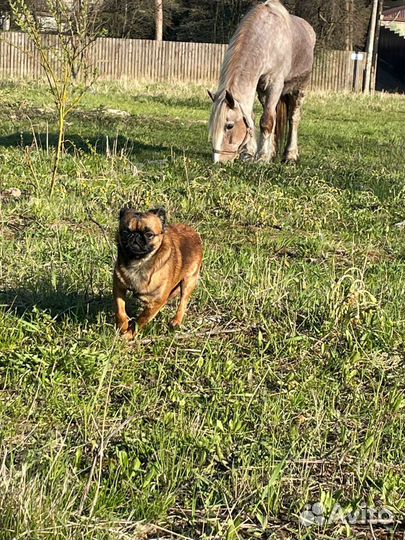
(6, 22)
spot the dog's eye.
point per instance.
(229, 125)
(149, 235)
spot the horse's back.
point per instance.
(302, 51)
(303, 34)
(270, 46)
(296, 37)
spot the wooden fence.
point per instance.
(135, 59)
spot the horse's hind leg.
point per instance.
(269, 99)
(291, 153)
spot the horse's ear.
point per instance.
(229, 100)
(211, 95)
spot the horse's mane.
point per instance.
(240, 44)
(217, 120)
(236, 55)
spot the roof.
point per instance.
(396, 13)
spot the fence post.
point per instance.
(358, 59)
(370, 45)
(376, 43)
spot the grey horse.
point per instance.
(271, 53)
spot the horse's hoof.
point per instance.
(291, 159)
(245, 158)
(262, 158)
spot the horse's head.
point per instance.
(230, 128)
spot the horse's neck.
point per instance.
(243, 89)
(264, 45)
(247, 101)
(243, 63)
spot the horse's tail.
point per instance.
(282, 115)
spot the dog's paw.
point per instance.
(127, 330)
(175, 323)
(129, 335)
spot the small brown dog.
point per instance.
(156, 262)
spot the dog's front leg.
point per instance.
(121, 317)
(149, 312)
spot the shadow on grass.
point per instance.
(60, 304)
(116, 145)
(193, 102)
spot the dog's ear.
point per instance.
(126, 207)
(211, 95)
(161, 214)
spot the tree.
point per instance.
(63, 60)
(136, 18)
(158, 20)
(339, 24)
(208, 20)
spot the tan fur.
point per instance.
(172, 268)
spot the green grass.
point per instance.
(286, 385)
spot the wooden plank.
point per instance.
(109, 59)
(101, 48)
(176, 67)
(136, 60)
(144, 60)
(118, 57)
(152, 60)
(204, 71)
(169, 59)
(131, 59)
(180, 71)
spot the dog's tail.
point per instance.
(282, 118)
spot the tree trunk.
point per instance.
(349, 26)
(159, 19)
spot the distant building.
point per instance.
(391, 49)
(5, 21)
(45, 20)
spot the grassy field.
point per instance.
(286, 385)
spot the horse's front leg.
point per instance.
(267, 146)
(291, 152)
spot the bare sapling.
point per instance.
(67, 68)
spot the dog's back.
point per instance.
(189, 243)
